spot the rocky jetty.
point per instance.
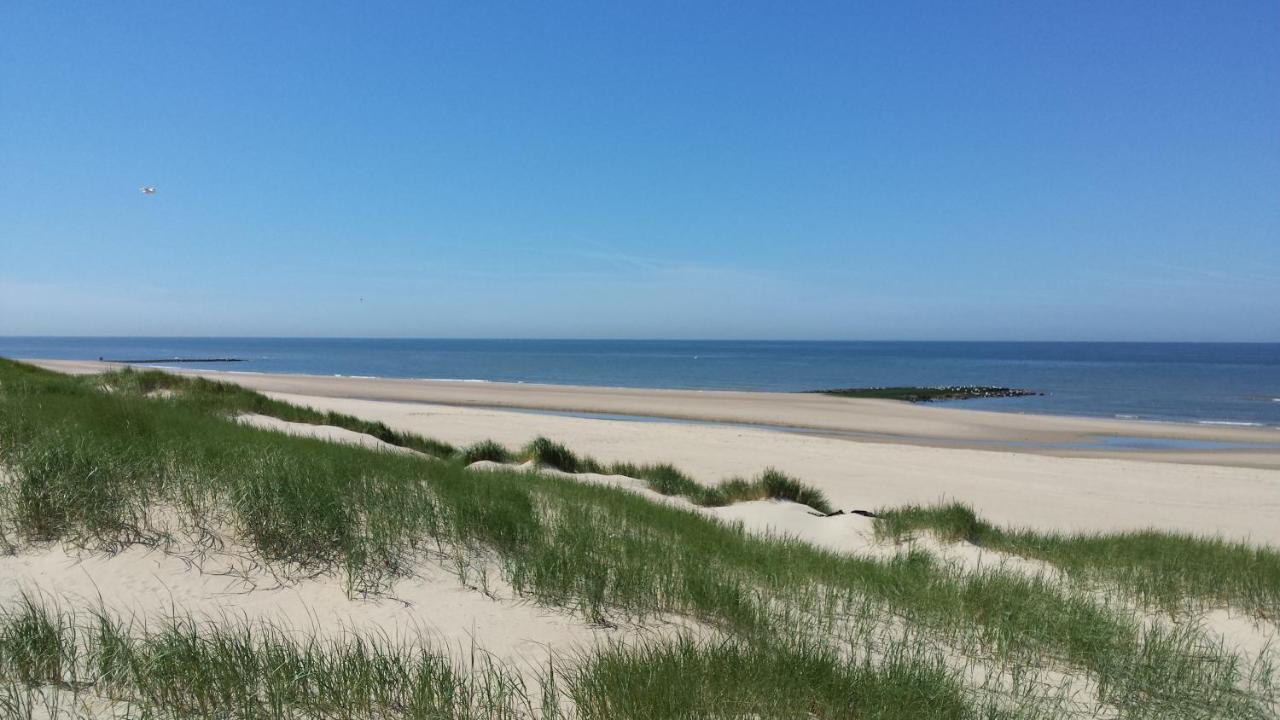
(930, 394)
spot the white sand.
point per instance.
(433, 606)
(875, 420)
(1233, 493)
(1013, 488)
(328, 433)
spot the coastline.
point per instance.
(919, 454)
(858, 419)
(212, 442)
(1154, 382)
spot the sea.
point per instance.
(1212, 383)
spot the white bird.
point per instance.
(146, 190)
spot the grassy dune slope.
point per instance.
(97, 462)
(1174, 571)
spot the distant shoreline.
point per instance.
(856, 420)
(944, 400)
(1153, 382)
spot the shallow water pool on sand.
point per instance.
(1097, 442)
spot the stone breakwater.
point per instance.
(930, 394)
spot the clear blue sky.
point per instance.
(895, 170)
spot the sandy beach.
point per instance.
(863, 454)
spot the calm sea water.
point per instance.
(1229, 383)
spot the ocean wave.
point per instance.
(1229, 422)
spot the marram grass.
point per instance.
(666, 479)
(221, 398)
(232, 668)
(88, 467)
(1172, 571)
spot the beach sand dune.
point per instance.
(1011, 488)
(863, 454)
(856, 468)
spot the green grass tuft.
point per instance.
(34, 645)
(685, 679)
(771, 484)
(545, 452)
(783, 487)
(234, 669)
(222, 398)
(485, 450)
(1173, 571)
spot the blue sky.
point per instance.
(897, 170)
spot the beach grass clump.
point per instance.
(487, 450)
(141, 382)
(547, 453)
(779, 486)
(1174, 571)
(661, 478)
(34, 644)
(178, 666)
(233, 668)
(770, 485)
(380, 430)
(222, 398)
(730, 491)
(951, 522)
(799, 680)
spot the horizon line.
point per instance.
(629, 339)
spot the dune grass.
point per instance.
(1174, 571)
(237, 669)
(733, 679)
(222, 398)
(486, 450)
(667, 480)
(219, 398)
(90, 468)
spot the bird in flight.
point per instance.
(147, 190)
